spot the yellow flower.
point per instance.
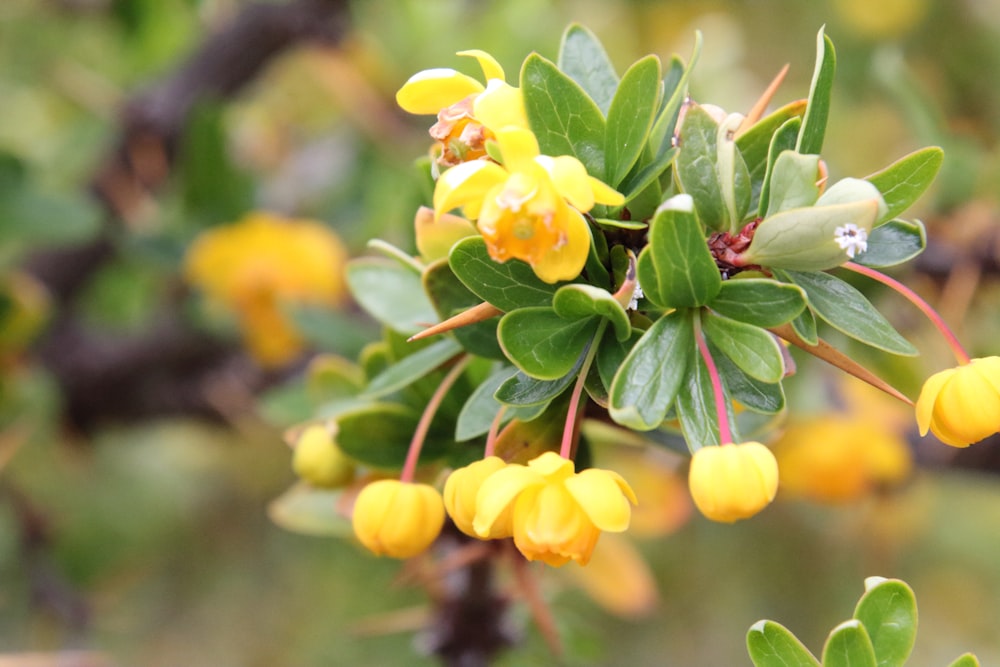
(318, 460)
(555, 513)
(962, 405)
(460, 492)
(530, 207)
(398, 519)
(733, 482)
(838, 458)
(468, 111)
(259, 264)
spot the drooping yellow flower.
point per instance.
(396, 518)
(836, 458)
(261, 263)
(530, 207)
(962, 405)
(460, 491)
(468, 112)
(734, 481)
(556, 515)
(318, 460)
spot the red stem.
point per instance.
(420, 434)
(572, 413)
(491, 437)
(725, 434)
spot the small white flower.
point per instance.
(851, 238)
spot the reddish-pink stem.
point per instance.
(960, 354)
(572, 414)
(424, 425)
(725, 434)
(491, 437)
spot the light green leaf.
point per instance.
(888, 610)
(391, 293)
(805, 327)
(965, 660)
(849, 646)
(770, 644)
(696, 167)
(847, 310)
(751, 348)
(481, 408)
(818, 107)
(523, 390)
(413, 367)
(541, 343)
(783, 140)
(583, 58)
(563, 117)
(793, 182)
(507, 286)
(663, 129)
(630, 118)
(760, 397)
(894, 242)
(308, 510)
(574, 302)
(902, 182)
(759, 301)
(734, 179)
(653, 372)
(637, 183)
(756, 141)
(379, 434)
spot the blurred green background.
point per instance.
(134, 496)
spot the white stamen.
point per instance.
(851, 238)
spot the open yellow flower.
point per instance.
(556, 515)
(530, 207)
(396, 518)
(461, 490)
(468, 111)
(734, 481)
(962, 405)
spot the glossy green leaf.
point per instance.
(630, 118)
(849, 646)
(636, 183)
(563, 117)
(574, 302)
(583, 58)
(902, 182)
(770, 644)
(653, 372)
(783, 140)
(888, 610)
(379, 435)
(541, 343)
(611, 352)
(893, 243)
(507, 286)
(451, 297)
(696, 167)
(413, 367)
(847, 310)
(793, 182)
(661, 136)
(391, 293)
(818, 107)
(753, 349)
(965, 660)
(755, 142)
(734, 179)
(684, 274)
(759, 301)
(523, 390)
(696, 409)
(480, 410)
(805, 327)
(761, 397)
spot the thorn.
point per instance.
(483, 311)
(760, 106)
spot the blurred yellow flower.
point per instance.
(318, 460)
(468, 112)
(530, 207)
(396, 518)
(618, 578)
(555, 513)
(837, 458)
(460, 491)
(262, 262)
(961, 405)
(733, 481)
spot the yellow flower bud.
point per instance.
(962, 405)
(733, 482)
(460, 496)
(318, 460)
(398, 519)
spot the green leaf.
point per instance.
(583, 58)
(696, 167)
(805, 327)
(391, 293)
(847, 310)
(630, 118)
(902, 182)
(310, 511)
(331, 330)
(696, 408)
(481, 408)
(734, 179)
(541, 343)
(755, 142)
(770, 644)
(753, 349)
(412, 368)
(213, 188)
(379, 435)
(507, 286)
(563, 117)
(611, 353)
(574, 302)
(888, 610)
(760, 397)
(676, 269)
(783, 140)
(818, 107)
(759, 301)
(849, 646)
(894, 242)
(451, 297)
(653, 372)
(662, 134)
(522, 390)
(637, 183)
(793, 182)
(965, 660)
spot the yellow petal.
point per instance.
(467, 183)
(435, 237)
(491, 68)
(618, 578)
(566, 262)
(604, 496)
(519, 148)
(500, 105)
(605, 194)
(928, 396)
(570, 179)
(550, 464)
(497, 492)
(431, 90)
